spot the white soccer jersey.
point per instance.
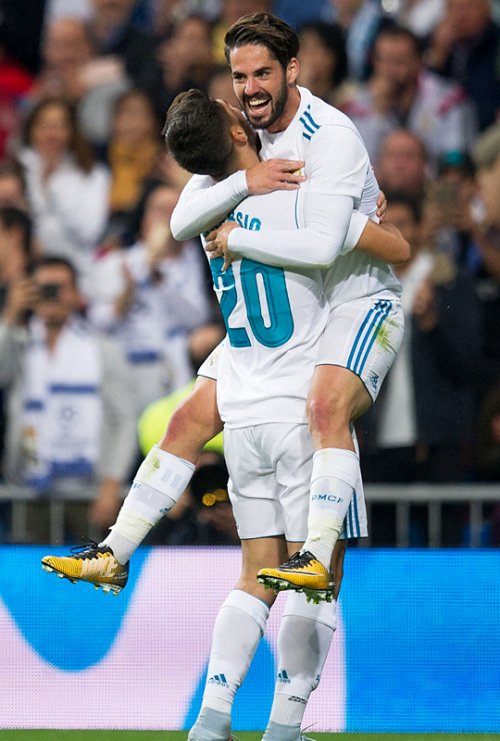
(316, 128)
(274, 318)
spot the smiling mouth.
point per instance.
(258, 106)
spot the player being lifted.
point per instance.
(365, 325)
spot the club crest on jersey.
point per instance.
(373, 381)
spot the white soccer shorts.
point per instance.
(364, 336)
(270, 469)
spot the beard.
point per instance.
(277, 108)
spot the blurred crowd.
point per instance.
(102, 312)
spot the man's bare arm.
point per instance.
(385, 242)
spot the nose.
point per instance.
(251, 86)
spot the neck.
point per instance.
(244, 160)
(53, 330)
(292, 106)
(406, 96)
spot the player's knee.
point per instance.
(328, 412)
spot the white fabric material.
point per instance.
(274, 319)
(336, 178)
(205, 203)
(154, 332)
(303, 645)
(316, 246)
(334, 478)
(354, 275)
(62, 405)
(256, 608)
(325, 612)
(364, 335)
(122, 547)
(441, 116)
(69, 210)
(164, 472)
(270, 467)
(356, 228)
(237, 631)
(142, 509)
(398, 425)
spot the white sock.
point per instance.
(239, 626)
(158, 485)
(334, 477)
(304, 640)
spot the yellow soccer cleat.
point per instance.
(302, 573)
(94, 564)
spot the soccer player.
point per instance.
(365, 326)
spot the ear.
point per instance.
(238, 135)
(292, 71)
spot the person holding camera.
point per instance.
(70, 424)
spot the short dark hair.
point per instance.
(392, 31)
(331, 36)
(15, 218)
(197, 135)
(263, 29)
(13, 169)
(50, 261)
(402, 198)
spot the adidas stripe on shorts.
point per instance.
(364, 336)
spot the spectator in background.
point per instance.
(15, 84)
(132, 152)
(323, 60)
(446, 221)
(66, 49)
(150, 298)
(230, 12)
(72, 69)
(401, 93)
(70, 424)
(220, 86)
(186, 60)
(15, 259)
(484, 256)
(402, 164)
(15, 249)
(487, 453)
(360, 21)
(12, 186)
(420, 16)
(466, 47)
(67, 191)
(424, 415)
(112, 33)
